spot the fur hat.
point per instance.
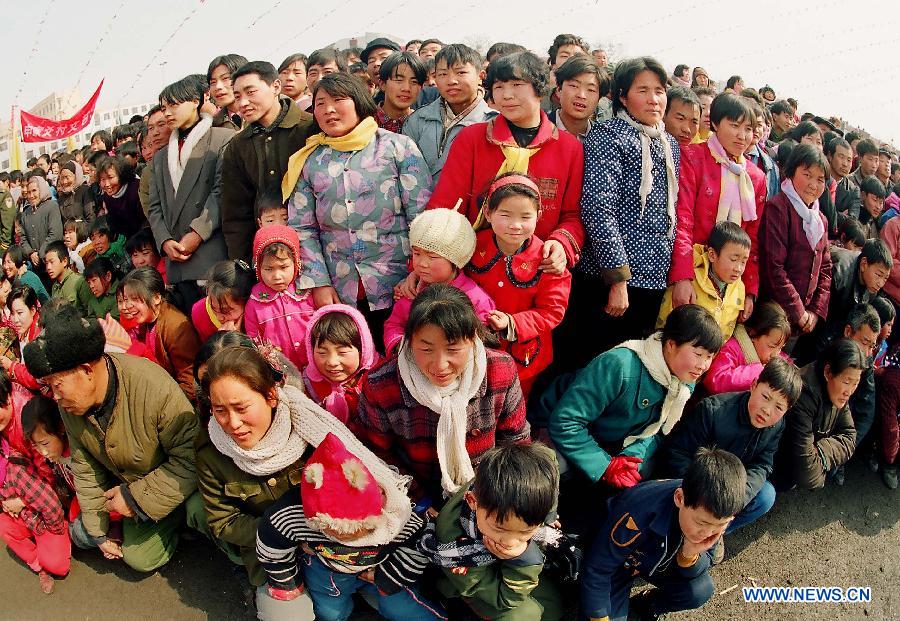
(445, 232)
(268, 235)
(338, 491)
(67, 341)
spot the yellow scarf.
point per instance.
(515, 160)
(361, 136)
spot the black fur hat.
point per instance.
(67, 340)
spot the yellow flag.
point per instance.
(15, 162)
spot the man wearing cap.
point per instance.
(131, 432)
(374, 54)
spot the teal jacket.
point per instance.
(593, 411)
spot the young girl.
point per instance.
(340, 349)
(81, 249)
(442, 243)
(24, 310)
(506, 263)
(165, 331)
(228, 287)
(278, 311)
(744, 355)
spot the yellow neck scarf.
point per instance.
(515, 160)
(361, 135)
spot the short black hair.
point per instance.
(680, 69)
(520, 480)
(523, 66)
(691, 323)
(231, 278)
(25, 293)
(580, 64)
(59, 247)
(341, 85)
(781, 107)
(44, 412)
(131, 148)
(733, 80)
(104, 136)
(16, 254)
(715, 481)
(293, 58)
(871, 185)
(325, 56)
(805, 155)
(502, 48)
(140, 240)
(885, 309)
(187, 88)
(866, 147)
(32, 161)
(841, 355)
(875, 251)
(783, 376)
(681, 93)
(851, 136)
(447, 308)
(851, 230)
(768, 316)
(863, 315)
(432, 40)
(803, 129)
(724, 232)
(390, 64)
(411, 41)
(264, 69)
(100, 224)
(627, 71)
(5, 388)
(831, 146)
(566, 39)
(124, 170)
(232, 62)
(732, 107)
(458, 54)
(99, 267)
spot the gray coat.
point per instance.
(40, 226)
(427, 129)
(195, 205)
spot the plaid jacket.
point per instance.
(403, 432)
(43, 510)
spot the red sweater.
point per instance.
(699, 188)
(476, 156)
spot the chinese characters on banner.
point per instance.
(39, 129)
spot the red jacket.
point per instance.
(790, 272)
(699, 188)
(535, 300)
(887, 385)
(476, 156)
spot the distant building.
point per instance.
(362, 40)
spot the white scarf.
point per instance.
(298, 422)
(650, 353)
(812, 223)
(648, 133)
(451, 404)
(178, 157)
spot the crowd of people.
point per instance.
(455, 334)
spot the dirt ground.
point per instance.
(847, 536)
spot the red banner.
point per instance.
(39, 129)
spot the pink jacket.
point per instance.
(281, 318)
(396, 323)
(730, 372)
(205, 323)
(890, 235)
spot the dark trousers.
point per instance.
(185, 294)
(375, 319)
(673, 593)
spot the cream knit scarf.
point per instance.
(647, 134)
(298, 422)
(178, 157)
(451, 404)
(650, 353)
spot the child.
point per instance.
(871, 194)
(228, 287)
(748, 424)
(100, 276)
(271, 213)
(506, 263)
(340, 350)
(67, 285)
(141, 250)
(640, 539)
(278, 311)
(887, 314)
(81, 250)
(442, 243)
(104, 246)
(717, 284)
(609, 418)
(486, 537)
(741, 359)
(355, 531)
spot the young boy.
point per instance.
(100, 235)
(872, 194)
(67, 284)
(141, 250)
(748, 424)
(660, 531)
(682, 117)
(402, 76)
(100, 278)
(485, 539)
(717, 282)
(461, 103)
(580, 84)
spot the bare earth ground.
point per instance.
(843, 537)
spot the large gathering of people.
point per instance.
(460, 337)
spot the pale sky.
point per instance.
(835, 57)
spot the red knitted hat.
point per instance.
(268, 235)
(337, 489)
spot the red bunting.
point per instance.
(39, 129)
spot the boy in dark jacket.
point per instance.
(748, 424)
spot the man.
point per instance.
(564, 47)
(867, 154)
(735, 84)
(580, 84)
(429, 49)
(255, 160)
(321, 63)
(413, 46)
(292, 73)
(883, 172)
(782, 120)
(402, 75)
(841, 196)
(157, 137)
(43, 162)
(221, 90)
(131, 431)
(682, 117)
(374, 54)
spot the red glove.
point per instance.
(285, 596)
(623, 471)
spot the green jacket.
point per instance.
(148, 445)
(235, 500)
(7, 220)
(593, 411)
(73, 288)
(106, 303)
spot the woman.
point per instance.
(101, 142)
(807, 132)
(444, 400)
(819, 435)
(228, 287)
(120, 199)
(794, 259)
(717, 182)
(253, 452)
(150, 319)
(39, 221)
(628, 209)
(699, 78)
(353, 191)
(25, 315)
(74, 197)
(17, 272)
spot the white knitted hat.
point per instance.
(445, 232)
